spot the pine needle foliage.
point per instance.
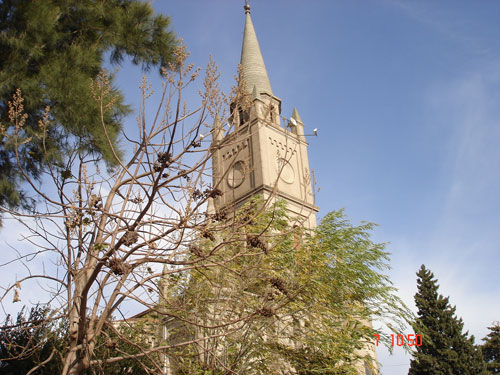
(51, 51)
(446, 350)
(491, 349)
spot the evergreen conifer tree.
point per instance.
(445, 349)
(491, 349)
(51, 51)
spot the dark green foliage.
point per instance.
(32, 338)
(491, 349)
(51, 51)
(446, 350)
(28, 341)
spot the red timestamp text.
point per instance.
(400, 340)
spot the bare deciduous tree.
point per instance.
(106, 239)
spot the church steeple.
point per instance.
(252, 64)
(260, 157)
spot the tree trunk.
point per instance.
(75, 363)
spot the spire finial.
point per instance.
(252, 64)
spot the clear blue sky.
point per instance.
(406, 97)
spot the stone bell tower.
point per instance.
(261, 155)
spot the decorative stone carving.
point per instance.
(236, 174)
(285, 171)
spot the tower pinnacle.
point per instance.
(253, 69)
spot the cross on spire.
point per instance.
(247, 7)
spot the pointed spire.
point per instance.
(164, 287)
(299, 128)
(217, 130)
(296, 116)
(211, 206)
(252, 64)
(255, 93)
